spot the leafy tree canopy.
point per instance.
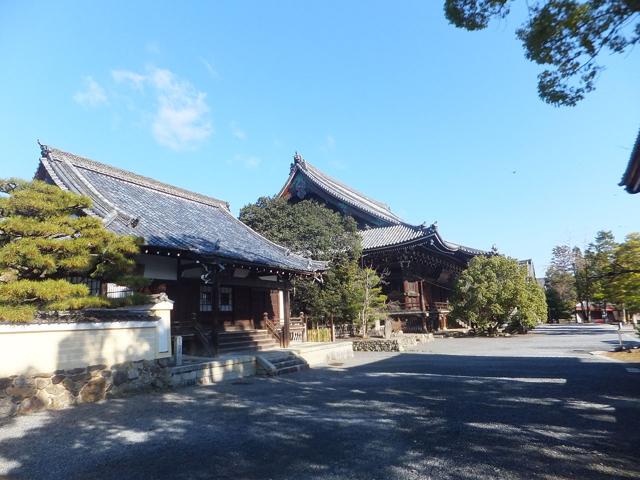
(496, 290)
(625, 273)
(45, 238)
(313, 230)
(564, 35)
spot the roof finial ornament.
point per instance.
(44, 150)
(298, 159)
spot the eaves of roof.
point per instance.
(631, 178)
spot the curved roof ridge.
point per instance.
(127, 176)
(344, 192)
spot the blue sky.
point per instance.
(439, 123)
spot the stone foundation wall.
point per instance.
(377, 345)
(22, 394)
(399, 342)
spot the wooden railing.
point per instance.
(399, 308)
(298, 329)
(346, 330)
(442, 306)
(205, 337)
(273, 328)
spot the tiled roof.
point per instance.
(164, 215)
(387, 236)
(341, 191)
(631, 178)
(396, 235)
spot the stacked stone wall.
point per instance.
(22, 394)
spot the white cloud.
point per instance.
(237, 132)
(181, 119)
(93, 95)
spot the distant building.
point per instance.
(531, 270)
(610, 314)
(631, 178)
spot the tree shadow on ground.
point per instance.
(404, 416)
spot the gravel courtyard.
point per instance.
(538, 406)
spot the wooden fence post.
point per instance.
(287, 318)
(333, 329)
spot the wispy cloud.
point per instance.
(181, 117)
(250, 162)
(237, 132)
(211, 70)
(153, 48)
(330, 142)
(93, 95)
(133, 79)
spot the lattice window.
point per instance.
(118, 291)
(206, 298)
(226, 299)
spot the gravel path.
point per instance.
(531, 407)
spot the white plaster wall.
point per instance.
(44, 348)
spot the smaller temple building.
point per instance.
(631, 177)
(222, 275)
(420, 265)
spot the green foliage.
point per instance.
(607, 272)
(560, 284)
(17, 313)
(600, 257)
(565, 35)
(47, 237)
(560, 291)
(624, 273)
(494, 291)
(369, 297)
(532, 308)
(312, 230)
(307, 228)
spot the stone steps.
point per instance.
(279, 363)
(245, 341)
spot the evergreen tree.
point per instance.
(46, 237)
(371, 301)
(600, 257)
(560, 283)
(496, 290)
(313, 230)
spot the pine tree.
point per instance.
(47, 237)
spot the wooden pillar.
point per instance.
(287, 317)
(423, 317)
